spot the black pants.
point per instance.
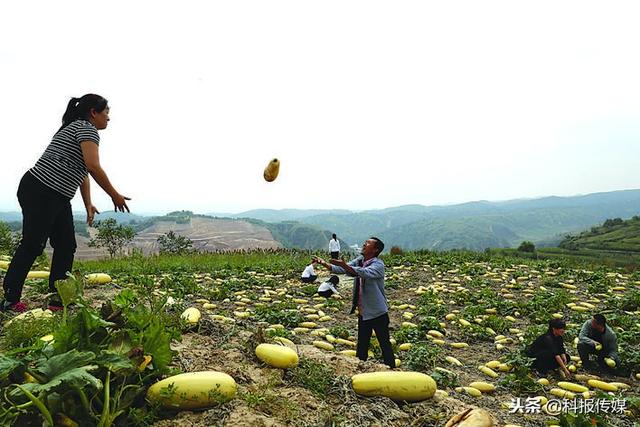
(309, 279)
(335, 255)
(379, 324)
(46, 214)
(584, 350)
(326, 294)
(546, 361)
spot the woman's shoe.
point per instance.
(18, 307)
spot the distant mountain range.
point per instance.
(474, 225)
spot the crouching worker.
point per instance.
(309, 275)
(548, 349)
(599, 339)
(328, 289)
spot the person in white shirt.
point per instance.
(334, 247)
(309, 275)
(328, 288)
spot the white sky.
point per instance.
(368, 104)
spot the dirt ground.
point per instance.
(229, 348)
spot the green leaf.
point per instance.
(116, 363)
(92, 321)
(66, 370)
(139, 317)
(156, 342)
(70, 290)
(121, 343)
(66, 336)
(61, 363)
(125, 299)
(85, 331)
(78, 377)
(8, 366)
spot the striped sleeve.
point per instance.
(87, 132)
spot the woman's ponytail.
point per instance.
(69, 114)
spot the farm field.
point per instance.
(451, 313)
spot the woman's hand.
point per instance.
(91, 213)
(120, 203)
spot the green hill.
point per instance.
(293, 234)
(613, 235)
(482, 224)
(442, 234)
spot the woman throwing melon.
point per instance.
(45, 194)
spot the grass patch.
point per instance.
(315, 377)
(280, 332)
(269, 403)
(24, 333)
(408, 334)
(283, 313)
(339, 332)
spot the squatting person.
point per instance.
(548, 349)
(596, 337)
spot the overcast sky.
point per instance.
(367, 104)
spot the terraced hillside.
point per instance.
(613, 235)
(207, 234)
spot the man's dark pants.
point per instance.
(584, 350)
(379, 324)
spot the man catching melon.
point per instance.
(369, 299)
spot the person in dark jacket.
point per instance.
(548, 349)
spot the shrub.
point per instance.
(8, 239)
(527, 246)
(171, 243)
(396, 250)
(112, 236)
(613, 222)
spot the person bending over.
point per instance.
(329, 288)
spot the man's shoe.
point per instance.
(18, 307)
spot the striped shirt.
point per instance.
(61, 166)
